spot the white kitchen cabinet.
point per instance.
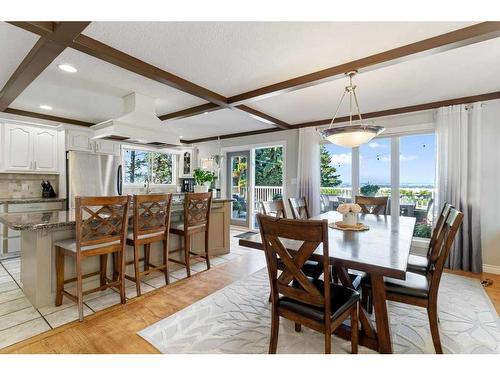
(79, 140)
(44, 150)
(29, 149)
(104, 147)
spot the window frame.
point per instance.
(174, 157)
(394, 134)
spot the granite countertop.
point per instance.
(30, 200)
(59, 219)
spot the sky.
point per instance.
(417, 161)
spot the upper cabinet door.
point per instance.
(79, 141)
(18, 148)
(45, 150)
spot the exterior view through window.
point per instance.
(417, 168)
(156, 167)
(336, 176)
(417, 165)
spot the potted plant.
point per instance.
(203, 179)
(349, 212)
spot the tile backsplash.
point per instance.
(25, 185)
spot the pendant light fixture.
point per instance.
(352, 135)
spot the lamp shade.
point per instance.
(351, 135)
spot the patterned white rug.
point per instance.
(236, 319)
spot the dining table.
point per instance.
(380, 251)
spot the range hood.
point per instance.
(139, 125)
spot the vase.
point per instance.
(350, 218)
(201, 188)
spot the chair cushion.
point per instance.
(70, 244)
(130, 235)
(418, 264)
(310, 268)
(179, 226)
(415, 285)
(341, 299)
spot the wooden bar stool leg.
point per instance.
(165, 261)
(136, 269)
(187, 248)
(147, 252)
(79, 287)
(103, 264)
(115, 266)
(121, 258)
(206, 250)
(59, 275)
(275, 326)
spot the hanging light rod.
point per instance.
(350, 135)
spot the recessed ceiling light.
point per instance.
(205, 112)
(181, 136)
(45, 106)
(67, 68)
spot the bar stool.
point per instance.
(101, 229)
(151, 223)
(196, 220)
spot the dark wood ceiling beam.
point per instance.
(40, 28)
(445, 42)
(193, 111)
(376, 114)
(260, 116)
(40, 56)
(44, 116)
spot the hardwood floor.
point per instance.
(114, 330)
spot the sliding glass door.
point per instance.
(238, 172)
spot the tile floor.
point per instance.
(19, 320)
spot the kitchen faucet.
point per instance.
(146, 185)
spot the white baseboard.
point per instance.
(489, 268)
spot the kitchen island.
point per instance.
(39, 231)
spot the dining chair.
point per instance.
(273, 208)
(299, 208)
(422, 290)
(151, 223)
(420, 264)
(372, 205)
(196, 220)
(101, 229)
(321, 306)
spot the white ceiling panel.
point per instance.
(233, 57)
(15, 44)
(95, 92)
(467, 71)
(225, 121)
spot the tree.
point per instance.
(136, 165)
(329, 178)
(161, 166)
(269, 166)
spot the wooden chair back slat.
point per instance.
(197, 209)
(274, 208)
(292, 282)
(151, 214)
(439, 226)
(442, 246)
(101, 220)
(372, 205)
(299, 208)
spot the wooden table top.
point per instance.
(383, 249)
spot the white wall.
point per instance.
(290, 137)
(490, 187)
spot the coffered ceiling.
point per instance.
(200, 73)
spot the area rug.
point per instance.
(236, 319)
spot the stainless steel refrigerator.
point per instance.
(92, 175)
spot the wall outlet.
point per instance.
(25, 187)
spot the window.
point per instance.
(375, 168)
(336, 176)
(417, 161)
(156, 167)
